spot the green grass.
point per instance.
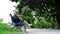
(5, 29)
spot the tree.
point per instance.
(43, 8)
(57, 12)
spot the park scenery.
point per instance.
(29, 17)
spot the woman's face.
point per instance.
(14, 12)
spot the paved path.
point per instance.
(42, 31)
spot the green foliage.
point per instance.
(43, 8)
(5, 29)
(14, 0)
(28, 18)
(43, 23)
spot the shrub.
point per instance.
(43, 23)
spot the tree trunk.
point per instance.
(57, 8)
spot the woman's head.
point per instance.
(14, 11)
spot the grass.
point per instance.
(5, 29)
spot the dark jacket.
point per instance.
(15, 19)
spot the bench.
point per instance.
(19, 26)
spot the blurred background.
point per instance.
(6, 7)
(40, 13)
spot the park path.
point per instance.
(42, 31)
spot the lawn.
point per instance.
(5, 29)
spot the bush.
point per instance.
(43, 23)
(4, 27)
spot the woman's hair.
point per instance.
(15, 12)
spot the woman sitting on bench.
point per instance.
(18, 22)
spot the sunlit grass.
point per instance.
(5, 29)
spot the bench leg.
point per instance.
(25, 28)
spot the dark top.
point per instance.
(15, 19)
